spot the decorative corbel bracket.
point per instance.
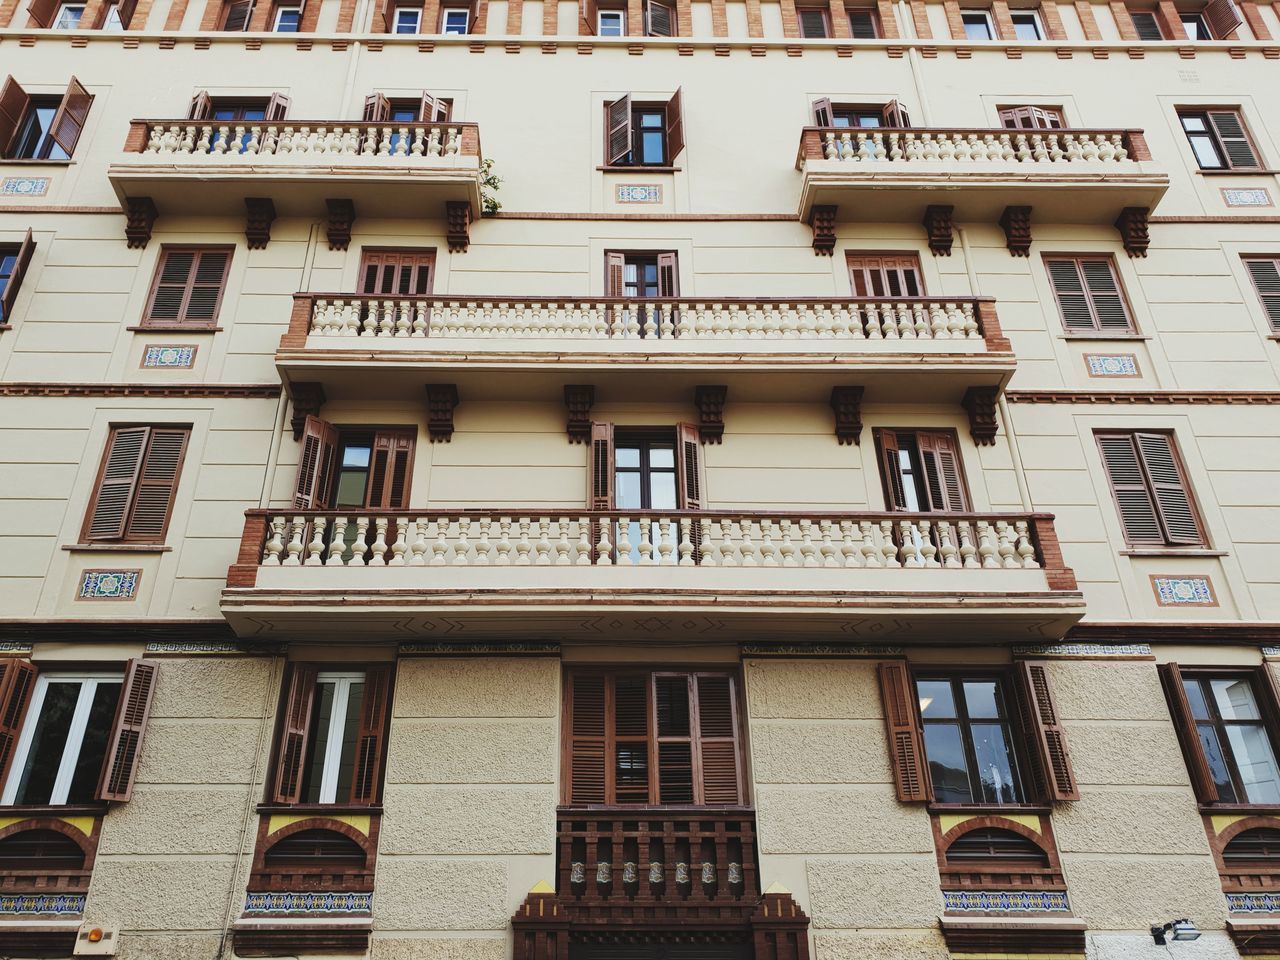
(980, 403)
(579, 397)
(140, 216)
(1132, 224)
(342, 214)
(441, 399)
(307, 399)
(822, 218)
(847, 404)
(1016, 224)
(710, 402)
(937, 223)
(257, 228)
(458, 220)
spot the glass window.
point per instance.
(33, 141)
(1026, 25)
(1234, 738)
(288, 19)
(857, 118)
(112, 22)
(64, 739)
(612, 24)
(1195, 27)
(69, 15)
(8, 262)
(813, 23)
(968, 740)
(651, 137)
(644, 479)
(353, 472)
(335, 725)
(456, 21)
(408, 19)
(977, 25)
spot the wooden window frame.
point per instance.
(859, 261)
(1180, 465)
(874, 18)
(1154, 21)
(648, 9)
(136, 485)
(1228, 165)
(277, 9)
(1273, 321)
(167, 250)
(890, 497)
(673, 142)
(12, 284)
(1097, 332)
(424, 257)
(348, 432)
(810, 9)
(1034, 111)
(1265, 721)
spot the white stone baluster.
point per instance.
(523, 546)
(870, 552)
(483, 545)
(827, 548)
(462, 545)
(418, 542)
(542, 550)
(968, 550)
(379, 547)
(361, 543)
(666, 546)
(562, 542)
(946, 544)
(706, 547)
(275, 543)
(786, 549)
(584, 542)
(624, 541)
(686, 542)
(888, 545)
(1026, 549)
(401, 543)
(316, 546)
(986, 546)
(768, 552)
(646, 550)
(747, 547)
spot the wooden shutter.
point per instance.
(9, 296)
(823, 113)
(238, 16)
(1031, 118)
(668, 275)
(277, 108)
(675, 129)
(906, 740)
(864, 25)
(201, 106)
(1088, 294)
(627, 727)
(1184, 724)
(366, 781)
(690, 477)
(588, 738)
(894, 493)
(720, 776)
(895, 116)
(295, 727)
(617, 130)
(377, 108)
(675, 742)
(944, 478)
(1229, 126)
(433, 109)
(1145, 25)
(156, 485)
(390, 470)
(13, 107)
(43, 11)
(1129, 487)
(17, 680)
(1044, 734)
(600, 482)
(659, 19)
(315, 465)
(1169, 486)
(124, 746)
(1265, 274)
(189, 286)
(885, 276)
(126, 10)
(615, 271)
(68, 122)
(589, 10)
(1223, 19)
(117, 481)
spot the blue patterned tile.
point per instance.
(24, 186)
(638, 193)
(1007, 901)
(1082, 650)
(169, 355)
(109, 584)
(1253, 902)
(1112, 364)
(1184, 591)
(42, 904)
(309, 903)
(1256, 197)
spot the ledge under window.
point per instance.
(1172, 552)
(639, 169)
(174, 328)
(1102, 335)
(990, 809)
(1238, 173)
(118, 547)
(319, 809)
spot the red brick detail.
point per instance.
(1004, 23)
(719, 20)
(136, 141)
(1124, 22)
(515, 17)
(481, 26)
(989, 323)
(755, 25)
(1052, 20)
(261, 18)
(1138, 149)
(347, 17)
(430, 16)
(790, 22)
(212, 14)
(1058, 575)
(840, 28)
(684, 18)
(551, 18)
(244, 572)
(7, 9)
(1249, 10)
(635, 18)
(954, 22)
(1088, 22)
(310, 16)
(299, 322)
(920, 17)
(1170, 21)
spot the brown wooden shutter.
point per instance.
(1044, 733)
(823, 113)
(201, 106)
(600, 482)
(124, 746)
(589, 10)
(894, 494)
(588, 738)
(1088, 293)
(674, 737)
(943, 475)
(126, 10)
(1229, 126)
(659, 19)
(617, 130)
(366, 781)
(13, 107)
(433, 109)
(377, 108)
(1265, 274)
(1222, 18)
(295, 729)
(157, 485)
(42, 12)
(690, 476)
(239, 15)
(9, 296)
(1169, 486)
(390, 470)
(1146, 25)
(906, 740)
(17, 680)
(895, 116)
(615, 272)
(675, 128)
(1129, 487)
(1016, 118)
(385, 15)
(315, 465)
(627, 726)
(718, 749)
(864, 25)
(1184, 724)
(1068, 287)
(277, 108)
(188, 287)
(68, 122)
(668, 275)
(117, 482)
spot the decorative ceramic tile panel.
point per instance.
(638, 192)
(24, 186)
(503, 649)
(1253, 197)
(1271, 651)
(1253, 902)
(14, 648)
(1134, 650)
(193, 647)
(42, 904)
(182, 356)
(312, 903)
(817, 650)
(1007, 901)
(1183, 591)
(1112, 364)
(109, 584)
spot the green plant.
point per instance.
(489, 184)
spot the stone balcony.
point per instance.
(1064, 176)
(582, 575)
(172, 167)
(795, 349)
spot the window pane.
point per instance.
(672, 694)
(1234, 699)
(1195, 697)
(627, 457)
(455, 21)
(1194, 124)
(660, 457)
(48, 742)
(93, 748)
(69, 17)
(1256, 762)
(935, 698)
(947, 766)
(662, 491)
(632, 772)
(113, 22)
(350, 732)
(407, 21)
(626, 492)
(651, 146)
(977, 26)
(994, 754)
(980, 699)
(288, 20)
(1217, 762)
(351, 488)
(313, 769)
(1206, 152)
(610, 23)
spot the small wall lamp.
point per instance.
(1182, 929)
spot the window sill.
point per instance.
(1259, 809)
(1172, 552)
(174, 328)
(117, 547)
(1102, 335)
(639, 169)
(1238, 173)
(989, 808)
(319, 809)
(30, 162)
(38, 810)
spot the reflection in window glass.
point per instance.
(455, 21)
(977, 25)
(968, 740)
(331, 746)
(1234, 738)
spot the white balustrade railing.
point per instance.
(686, 539)
(873, 145)
(338, 315)
(241, 139)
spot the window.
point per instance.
(1226, 733)
(611, 23)
(1219, 21)
(188, 286)
(236, 17)
(332, 735)
(1257, 846)
(638, 738)
(643, 134)
(230, 110)
(1089, 294)
(864, 24)
(968, 740)
(287, 20)
(71, 736)
(1026, 25)
(1194, 26)
(407, 20)
(455, 20)
(136, 484)
(632, 468)
(921, 470)
(424, 109)
(112, 20)
(977, 24)
(659, 19)
(361, 467)
(992, 843)
(14, 260)
(1150, 490)
(42, 127)
(866, 115)
(887, 275)
(69, 15)
(815, 22)
(405, 273)
(1032, 118)
(642, 276)
(1219, 139)
(1146, 25)
(1265, 273)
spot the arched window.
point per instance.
(1261, 844)
(40, 850)
(993, 843)
(313, 848)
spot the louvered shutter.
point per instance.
(1172, 498)
(433, 109)
(68, 122)
(890, 454)
(121, 466)
(588, 738)
(201, 106)
(895, 116)
(617, 130)
(189, 286)
(674, 734)
(1105, 299)
(377, 108)
(906, 741)
(721, 778)
(238, 16)
(1184, 725)
(627, 752)
(295, 727)
(1223, 19)
(1043, 730)
(615, 271)
(371, 740)
(124, 745)
(13, 107)
(600, 482)
(277, 108)
(17, 680)
(1146, 26)
(823, 113)
(392, 462)
(315, 465)
(675, 129)
(1266, 280)
(43, 11)
(943, 477)
(668, 275)
(1068, 287)
(9, 296)
(1129, 487)
(863, 25)
(659, 19)
(689, 471)
(1235, 141)
(126, 10)
(156, 485)
(1017, 118)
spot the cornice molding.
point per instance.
(227, 391)
(1148, 397)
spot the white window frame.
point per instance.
(986, 16)
(618, 15)
(415, 13)
(332, 768)
(1034, 16)
(1200, 22)
(62, 10)
(75, 733)
(454, 11)
(112, 23)
(280, 12)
